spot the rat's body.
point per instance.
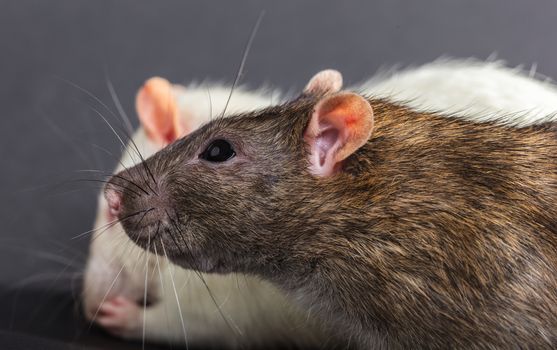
(440, 233)
(201, 317)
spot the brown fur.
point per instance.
(439, 233)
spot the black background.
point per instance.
(47, 128)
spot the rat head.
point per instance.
(166, 111)
(235, 194)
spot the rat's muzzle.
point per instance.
(142, 210)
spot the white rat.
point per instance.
(250, 311)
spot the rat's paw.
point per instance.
(121, 317)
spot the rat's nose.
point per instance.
(114, 200)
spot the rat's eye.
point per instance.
(218, 151)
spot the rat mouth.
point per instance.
(165, 238)
(146, 235)
(147, 225)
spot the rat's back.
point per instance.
(457, 243)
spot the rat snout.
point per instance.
(138, 203)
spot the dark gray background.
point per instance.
(47, 127)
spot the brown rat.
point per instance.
(144, 297)
(401, 228)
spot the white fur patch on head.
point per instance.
(325, 82)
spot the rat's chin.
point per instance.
(197, 263)
(158, 240)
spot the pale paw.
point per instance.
(121, 317)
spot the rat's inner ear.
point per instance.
(158, 111)
(340, 124)
(325, 82)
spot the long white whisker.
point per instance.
(109, 225)
(95, 98)
(145, 292)
(177, 299)
(196, 271)
(244, 59)
(106, 296)
(87, 92)
(141, 160)
(46, 255)
(210, 104)
(158, 266)
(139, 251)
(103, 227)
(117, 103)
(98, 100)
(44, 277)
(64, 136)
(104, 150)
(111, 128)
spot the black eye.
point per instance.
(218, 151)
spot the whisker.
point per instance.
(111, 129)
(47, 276)
(98, 100)
(108, 225)
(48, 289)
(121, 187)
(125, 148)
(91, 95)
(142, 217)
(108, 175)
(139, 252)
(196, 270)
(95, 98)
(244, 59)
(210, 104)
(158, 266)
(43, 254)
(176, 296)
(145, 166)
(145, 291)
(123, 116)
(121, 163)
(106, 296)
(55, 185)
(88, 93)
(64, 136)
(112, 155)
(117, 103)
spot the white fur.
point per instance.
(254, 310)
(470, 89)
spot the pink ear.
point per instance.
(340, 125)
(325, 82)
(158, 111)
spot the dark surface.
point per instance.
(47, 127)
(43, 318)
